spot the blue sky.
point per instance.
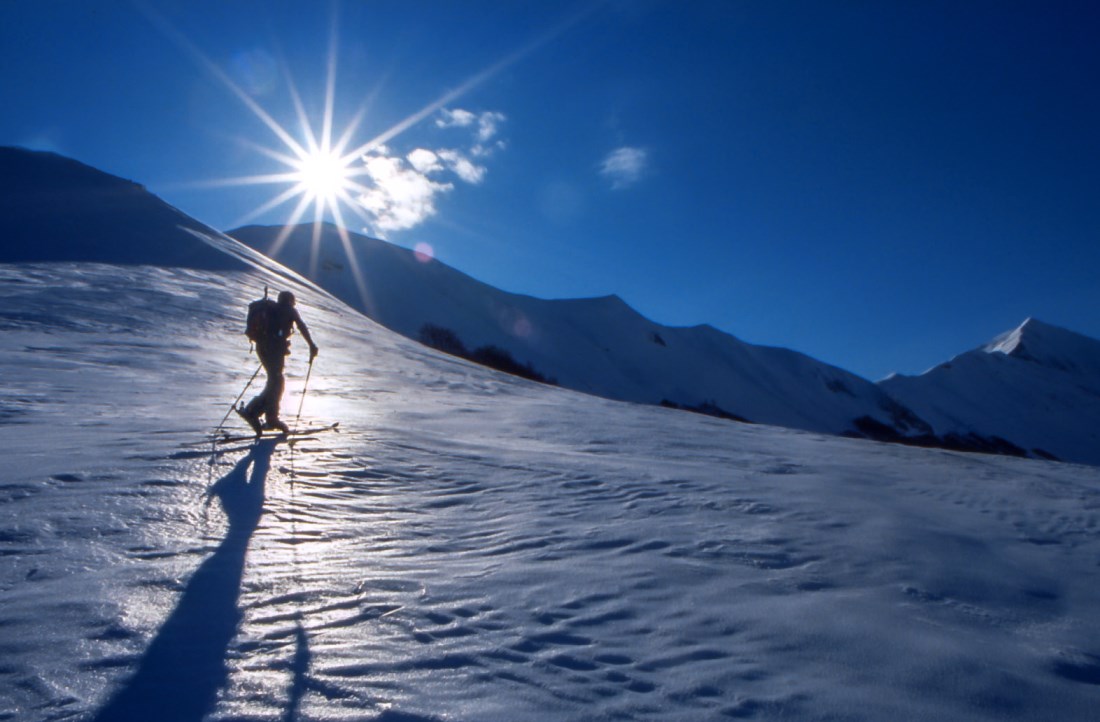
(879, 185)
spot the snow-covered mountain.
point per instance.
(476, 547)
(1032, 391)
(53, 208)
(598, 345)
(1037, 386)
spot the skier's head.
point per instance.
(286, 298)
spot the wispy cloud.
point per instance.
(457, 118)
(625, 166)
(487, 125)
(462, 166)
(400, 192)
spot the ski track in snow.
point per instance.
(475, 547)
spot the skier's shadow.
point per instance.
(184, 666)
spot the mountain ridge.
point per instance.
(598, 345)
(1048, 344)
(1034, 390)
(628, 358)
(1037, 386)
(54, 208)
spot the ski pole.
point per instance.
(298, 418)
(239, 396)
(213, 436)
(302, 401)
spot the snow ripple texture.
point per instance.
(475, 547)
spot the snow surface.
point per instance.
(596, 345)
(473, 546)
(1037, 386)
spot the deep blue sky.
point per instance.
(881, 185)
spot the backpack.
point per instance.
(262, 322)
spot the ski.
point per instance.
(226, 438)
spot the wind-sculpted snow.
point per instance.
(471, 546)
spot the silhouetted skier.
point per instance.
(269, 326)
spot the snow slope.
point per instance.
(599, 345)
(477, 547)
(1037, 386)
(53, 208)
(473, 546)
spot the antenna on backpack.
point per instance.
(265, 291)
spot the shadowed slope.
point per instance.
(184, 666)
(57, 209)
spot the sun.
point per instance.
(320, 170)
(324, 176)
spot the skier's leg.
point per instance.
(275, 393)
(272, 402)
(259, 405)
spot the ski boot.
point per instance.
(253, 421)
(276, 424)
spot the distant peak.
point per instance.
(1034, 325)
(1043, 343)
(1010, 342)
(1029, 333)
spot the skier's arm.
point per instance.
(305, 334)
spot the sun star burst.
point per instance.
(324, 176)
(318, 169)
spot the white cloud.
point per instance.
(457, 118)
(625, 166)
(424, 161)
(401, 192)
(398, 196)
(462, 166)
(487, 125)
(484, 151)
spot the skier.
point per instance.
(269, 326)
